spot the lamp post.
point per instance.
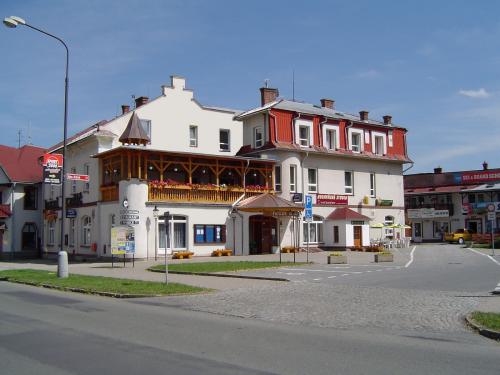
(156, 213)
(13, 22)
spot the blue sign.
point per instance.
(308, 214)
(70, 213)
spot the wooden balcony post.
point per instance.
(217, 172)
(190, 170)
(129, 164)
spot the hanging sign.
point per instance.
(77, 177)
(122, 240)
(52, 169)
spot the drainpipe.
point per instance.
(347, 134)
(275, 126)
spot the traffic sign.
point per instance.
(308, 208)
(77, 177)
(491, 207)
(492, 216)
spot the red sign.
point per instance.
(482, 176)
(52, 160)
(332, 199)
(77, 177)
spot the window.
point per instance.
(1, 196)
(224, 140)
(389, 232)
(349, 182)
(258, 137)
(277, 178)
(336, 238)
(177, 226)
(304, 136)
(312, 180)
(73, 183)
(472, 198)
(30, 198)
(209, 233)
(86, 230)
(193, 136)
(146, 125)
(86, 171)
(480, 198)
(378, 145)
(72, 232)
(293, 178)
(356, 142)
(315, 233)
(372, 184)
(331, 139)
(51, 235)
(29, 236)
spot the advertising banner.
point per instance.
(122, 240)
(481, 176)
(52, 168)
(332, 199)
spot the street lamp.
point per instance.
(156, 213)
(13, 22)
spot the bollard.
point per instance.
(62, 264)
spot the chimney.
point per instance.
(125, 109)
(363, 115)
(438, 170)
(387, 120)
(141, 101)
(485, 165)
(328, 103)
(268, 95)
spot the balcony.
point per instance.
(209, 194)
(109, 193)
(436, 206)
(52, 204)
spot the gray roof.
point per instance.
(311, 109)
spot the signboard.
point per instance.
(308, 214)
(482, 176)
(383, 202)
(122, 240)
(70, 213)
(286, 214)
(332, 199)
(77, 177)
(427, 213)
(52, 168)
(129, 217)
(492, 216)
(491, 207)
(297, 197)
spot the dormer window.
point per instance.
(331, 139)
(356, 142)
(379, 142)
(146, 125)
(304, 136)
(258, 137)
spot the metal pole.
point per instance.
(167, 245)
(492, 240)
(308, 239)
(156, 238)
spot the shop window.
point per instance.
(315, 233)
(209, 233)
(30, 198)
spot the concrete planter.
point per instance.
(384, 258)
(337, 259)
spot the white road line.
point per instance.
(379, 270)
(486, 255)
(369, 271)
(316, 279)
(411, 257)
(345, 274)
(331, 277)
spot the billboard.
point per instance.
(332, 199)
(122, 240)
(52, 168)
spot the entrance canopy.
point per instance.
(269, 204)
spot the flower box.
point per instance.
(337, 258)
(384, 257)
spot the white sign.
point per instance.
(427, 213)
(492, 216)
(129, 217)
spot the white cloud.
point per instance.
(480, 93)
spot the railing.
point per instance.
(174, 193)
(109, 193)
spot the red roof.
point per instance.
(21, 164)
(5, 211)
(345, 213)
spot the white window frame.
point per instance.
(390, 139)
(174, 219)
(304, 123)
(373, 185)
(258, 142)
(86, 231)
(360, 132)
(317, 222)
(277, 178)
(314, 185)
(228, 140)
(331, 128)
(349, 187)
(193, 142)
(147, 126)
(51, 232)
(384, 142)
(293, 176)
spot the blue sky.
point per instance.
(433, 65)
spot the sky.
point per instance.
(433, 65)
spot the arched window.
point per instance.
(315, 233)
(86, 230)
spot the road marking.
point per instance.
(411, 257)
(331, 277)
(379, 270)
(486, 255)
(369, 271)
(345, 274)
(316, 279)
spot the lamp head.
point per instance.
(13, 21)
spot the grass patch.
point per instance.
(221, 266)
(487, 320)
(96, 284)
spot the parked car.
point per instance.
(460, 236)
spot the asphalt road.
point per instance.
(50, 332)
(441, 267)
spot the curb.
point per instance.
(494, 335)
(223, 275)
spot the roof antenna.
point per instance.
(29, 132)
(266, 83)
(293, 84)
(19, 138)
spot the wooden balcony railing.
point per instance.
(172, 193)
(109, 193)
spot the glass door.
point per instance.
(176, 225)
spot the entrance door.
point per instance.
(263, 234)
(417, 232)
(358, 236)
